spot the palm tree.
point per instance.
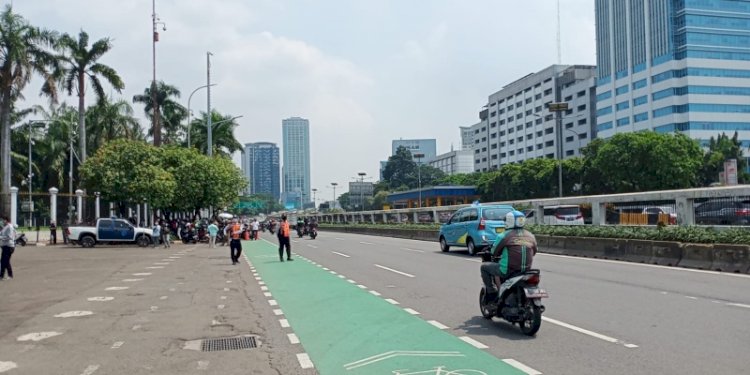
(168, 109)
(22, 54)
(222, 137)
(109, 120)
(53, 150)
(82, 63)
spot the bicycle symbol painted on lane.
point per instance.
(441, 370)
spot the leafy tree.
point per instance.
(224, 182)
(222, 137)
(642, 161)
(22, 55)
(721, 149)
(379, 200)
(129, 171)
(52, 151)
(345, 201)
(400, 168)
(109, 120)
(81, 62)
(166, 107)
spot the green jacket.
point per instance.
(517, 248)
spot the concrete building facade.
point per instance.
(261, 166)
(458, 161)
(296, 168)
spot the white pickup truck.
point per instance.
(110, 230)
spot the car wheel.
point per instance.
(444, 245)
(143, 241)
(472, 248)
(88, 241)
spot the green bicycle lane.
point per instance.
(347, 330)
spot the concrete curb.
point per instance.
(716, 257)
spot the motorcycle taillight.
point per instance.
(532, 280)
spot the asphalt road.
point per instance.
(125, 310)
(603, 317)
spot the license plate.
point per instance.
(535, 293)
(499, 230)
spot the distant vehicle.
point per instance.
(110, 230)
(560, 215)
(723, 212)
(474, 227)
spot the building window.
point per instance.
(512, 152)
(640, 100)
(519, 116)
(502, 154)
(582, 121)
(528, 113)
(538, 134)
(568, 125)
(548, 144)
(568, 98)
(639, 84)
(581, 94)
(512, 141)
(539, 146)
(623, 121)
(492, 125)
(492, 114)
(547, 92)
(519, 127)
(569, 139)
(538, 121)
(529, 124)
(494, 157)
(493, 135)
(549, 130)
(582, 136)
(519, 104)
(484, 139)
(537, 96)
(520, 139)
(622, 105)
(581, 107)
(538, 109)
(621, 90)
(502, 144)
(502, 133)
(484, 129)
(530, 149)
(603, 111)
(603, 96)
(528, 100)
(569, 152)
(484, 149)
(500, 112)
(511, 130)
(494, 146)
(529, 136)
(520, 151)
(640, 117)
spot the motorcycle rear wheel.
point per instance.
(531, 326)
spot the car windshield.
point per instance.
(495, 213)
(567, 211)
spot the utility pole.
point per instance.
(209, 125)
(362, 190)
(558, 108)
(334, 184)
(419, 176)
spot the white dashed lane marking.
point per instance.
(528, 370)
(304, 361)
(437, 324)
(7, 366)
(73, 314)
(394, 271)
(293, 339)
(90, 370)
(117, 288)
(473, 342)
(341, 254)
(117, 345)
(589, 333)
(38, 336)
(284, 323)
(278, 312)
(99, 299)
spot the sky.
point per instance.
(364, 72)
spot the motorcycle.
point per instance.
(187, 236)
(300, 231)
(519, 300)
(313, 232)
(21, 239)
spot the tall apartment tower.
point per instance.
(673, 66)
(262, 168)
(296, 169)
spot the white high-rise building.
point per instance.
(296, 167)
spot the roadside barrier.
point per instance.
(718, 257)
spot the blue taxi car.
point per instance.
(474, 227)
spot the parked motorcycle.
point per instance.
(519, 300)
(187, 236)
(21, 239)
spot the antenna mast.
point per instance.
(559, 41)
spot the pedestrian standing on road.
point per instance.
(52, 233)
(165, 235)
(256, 226)
(8, 243)
(213, 230)
(235, 246)
(284, 240)
(156, 234)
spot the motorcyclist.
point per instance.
(515, 249)
(300, 224)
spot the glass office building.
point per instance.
(296, 169)
(673, 65)
(262, 169)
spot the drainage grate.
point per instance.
(229, 343)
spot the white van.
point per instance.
(563, 215)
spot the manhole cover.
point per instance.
(229, 343)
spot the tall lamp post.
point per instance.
(209, 127)
(334, 184)
(419, 176)
(558, 109)
(210, 145)
(362, 190)
(189, 113)
(315, 205)
(30, 176)
(154, 104)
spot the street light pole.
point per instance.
(189, 113)
(31, 174)
(558, 108)
(315, 206)
(419, 176)
(209, 126)
(362, 190)
(154, 104)
(334, 184)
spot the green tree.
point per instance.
(379, 200)
(81, 62)
(109, 120)
(400, 169)
(166, 107)
(345, 201)
(721, 149)
(52, 151)
(129, 171)
(22, 55)
(222, 137)
(642, 161)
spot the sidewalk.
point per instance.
(129, 310)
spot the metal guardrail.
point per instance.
(725, 205)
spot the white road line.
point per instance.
(284, 323)
(163, 297)
(394, 271)
(340, 254)
(739, 305)
(90, 370)
(131, 280)
(473, 342)
(226, 289)
(264, 288)
(155, 267)
(414, 250)
(278, 312)
(691, 297)
(304, 361)
(273, 302)
(587, 332)
(677, 269)
(351, 281)
(261, 283)
(221, 307)
(258, 278)
(202, 365)
(342, 277)
(38, 336)
(7, 366)
(391, 301)
(142, 274)
(99, 299)
(521, 366)
(312, 246)
(293, 339)
(326, 269)
(366, 243)
(117, 344)
(223, 297)
(412, 311)
(333, 272)
(339, 239)
(229, 281)
(374, 293)
(154, 308)
(361, 286)
(268, 294)
(473, 260)
(437, 324)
